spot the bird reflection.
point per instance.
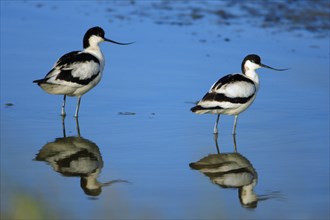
(231, 170)
(76, 156)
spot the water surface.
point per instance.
(137, 137)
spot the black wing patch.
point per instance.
(229, 79)
(73, 57)
(67, 76)
(219, 97)
(201, 108)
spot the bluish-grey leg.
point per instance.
(78, 106)
(63, 106)
(215, 129)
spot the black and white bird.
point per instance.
(77, 72)
(233, 93)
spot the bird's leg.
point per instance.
(78, 105)
(63, 126)
(235, 145)
(235, 123)
(63, 106)
(215, 136)
(77, 126)
(215, 130)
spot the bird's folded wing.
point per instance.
(75, 67)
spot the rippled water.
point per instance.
(137, 151)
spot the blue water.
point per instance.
(138, 116)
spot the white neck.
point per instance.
(252, 74)
(96, 51)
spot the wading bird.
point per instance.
(233, 93)
(77, 72)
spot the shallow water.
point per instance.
(136, 131)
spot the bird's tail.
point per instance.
(195, 108)
(39, 81)
(198, 109)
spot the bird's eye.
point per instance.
(256, 61)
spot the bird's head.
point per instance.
(252, 62)
(96, 35)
